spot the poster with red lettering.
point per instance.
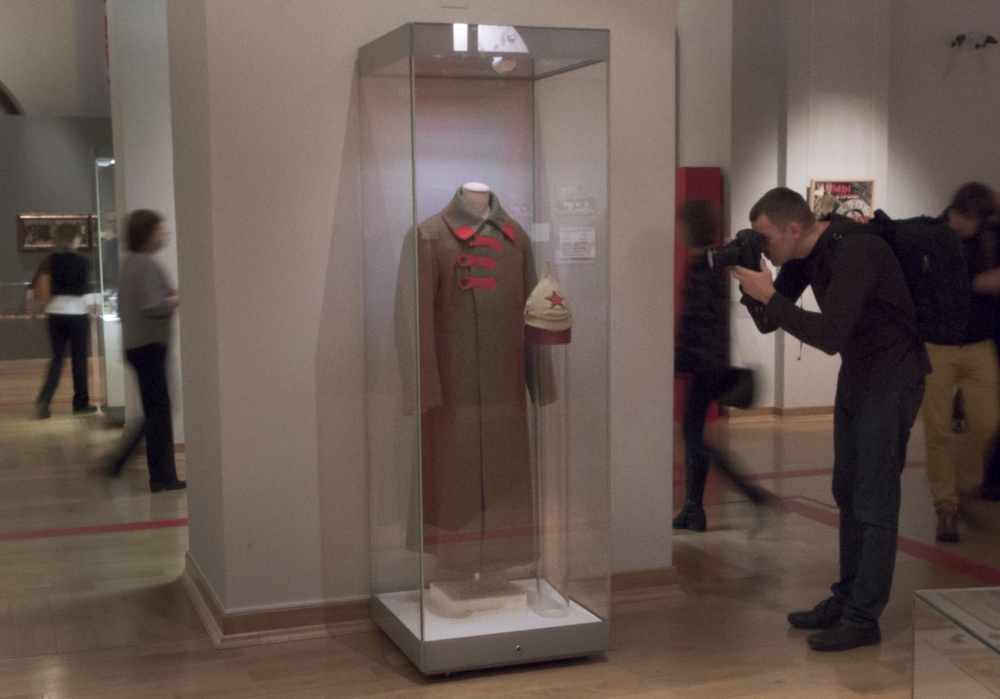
(852, 198)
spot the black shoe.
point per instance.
(42, 411)
(171, 485)
(85, 410)
(947, 527)
(111, 465)
(845, 637)
(691, 517)
(824, 615)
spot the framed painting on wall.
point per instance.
(36, 232)
(852, 198)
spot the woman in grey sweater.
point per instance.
(146, 303)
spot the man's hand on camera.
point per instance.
(757, 285)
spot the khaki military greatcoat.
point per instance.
(473, 278)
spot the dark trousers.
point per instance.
(870, 432)
(72, 329)
(150, 363)
(706, 387)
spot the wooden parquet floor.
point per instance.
(102, 615)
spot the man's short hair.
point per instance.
(141, 226)
(698, 217)
(974, 199)
(783, 206)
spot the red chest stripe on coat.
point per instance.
(467, 283)
(508, 230)
(465, 232)
(482, 241)
(473, 261)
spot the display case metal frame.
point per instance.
(453, 54)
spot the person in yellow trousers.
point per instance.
(970, 366)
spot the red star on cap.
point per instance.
(556, 300)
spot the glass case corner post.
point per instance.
(391, 376)
(572, 204)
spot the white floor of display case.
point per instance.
(406, 607)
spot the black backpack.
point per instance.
(933, 263)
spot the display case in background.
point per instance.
(488, 439)
(107, 253)
(956, 643)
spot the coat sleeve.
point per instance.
(538, 371)
(156, 292)
(416, 288)
(853, 275)
(791, 282)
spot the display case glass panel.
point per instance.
(484, 155)
(956, 643)
(107, 280)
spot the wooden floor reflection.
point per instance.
(102, 615)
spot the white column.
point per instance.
(265, 146)
(144, 173)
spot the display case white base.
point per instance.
(114, 370)
(489, 638)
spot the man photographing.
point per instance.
(866, 316)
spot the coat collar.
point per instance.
(464, 222)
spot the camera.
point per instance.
(743, 251)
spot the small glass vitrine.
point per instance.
(484, 164)
(107, 252)
(956, 643)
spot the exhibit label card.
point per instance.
(576, 245)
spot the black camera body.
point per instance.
(743, 251)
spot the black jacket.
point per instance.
(703, 340)
(866, 314)
(70, 272)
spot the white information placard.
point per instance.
(576, 245)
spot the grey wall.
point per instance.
(943, 103)
(46, 166)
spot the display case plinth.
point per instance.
(956, 643)
(486, 639)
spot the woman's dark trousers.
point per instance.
(709, 386)
(150, 362)
(74, 330)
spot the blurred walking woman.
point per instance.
(146, 303)
(65, 272)
(703, 351)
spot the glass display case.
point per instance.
(106, 245)
(484, 155)
(956, 643)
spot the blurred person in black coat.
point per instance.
(703, 351)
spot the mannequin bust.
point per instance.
(477, 195)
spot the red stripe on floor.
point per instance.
(26, 404)
(781, 475)
(777, 475)
(925, 552)
(95, 529)
(65, 372)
